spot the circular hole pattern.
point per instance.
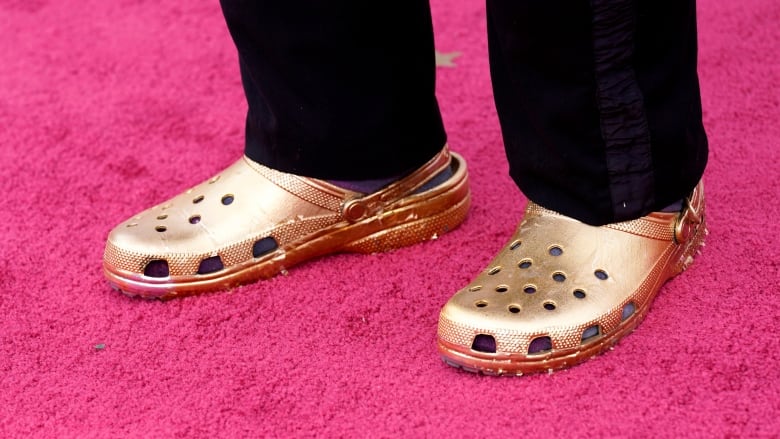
(555, 251)
(484, 343)
(132, 225)
(549, 306)
(558, 276)
(540, 345)
(529, 289)
(579, 294)
(601, 274)
(494, 270)
(194, 219)
(628, 310)
(590, 332)
(157, 268)
(162, 217)
(502, 289)
(210, 265)
(514, 309)
(228, 199)
(198, 199)
(525, 263)
(514, 245)
(475, 288)
(481, 304)
(161, 228)
(264, 246)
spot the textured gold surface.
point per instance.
(247, 202)
(564, 254)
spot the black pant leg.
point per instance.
(340, 89)
(599, 103)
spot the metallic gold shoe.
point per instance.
(562, 291)
(251, 222)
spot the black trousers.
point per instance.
(598, 100)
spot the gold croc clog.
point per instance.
(251, 222)
(562, 291)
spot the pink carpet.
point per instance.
(107, 107)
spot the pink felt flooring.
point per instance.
(109, 106)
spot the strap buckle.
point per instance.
(686, 223)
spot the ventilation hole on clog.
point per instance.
(502, 289)
(157, 268)
(525, 263)
(228, 199)
(539, 345)
(162, 217)
(484, 343)
(132, 225)
(198, 199)
(601, 274)
(514, 309)
(210, 265)
(628, 310)
(161, 228)
(214, 179)
(194, 219)
(549, 306)
(166, 206)
(494, 270)
(514, 245)
(475, 288)
(529, 289)
(559, 277)
(579, 294)
(555, 251)
(590, 332)
(264, 246)
(481, 304)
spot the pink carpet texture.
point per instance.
(108, 107)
